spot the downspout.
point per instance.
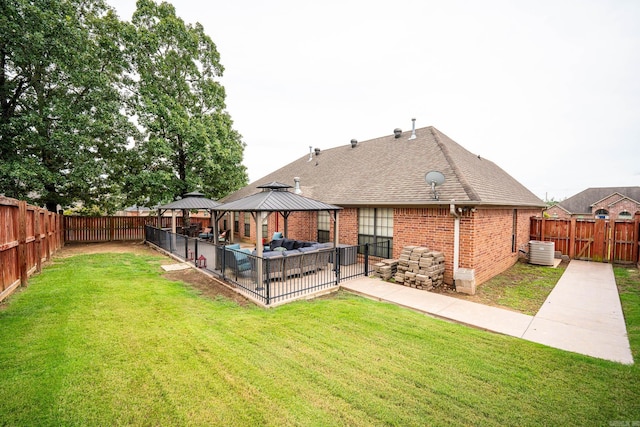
(456, 237)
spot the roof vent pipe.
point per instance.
(397, 132)
(317, 150)
(413, 130)
(297, 189)
(354, 142)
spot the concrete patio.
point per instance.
(582, 314)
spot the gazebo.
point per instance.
(275, 197)
(191, 201)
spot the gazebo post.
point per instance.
(286, 224)
(336, 228)
(232, 229)
(258, 218)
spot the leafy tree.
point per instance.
(188, 142)
(62, 134)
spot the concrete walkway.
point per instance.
(582, 314)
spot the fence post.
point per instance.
(22, 242)
(572, 238)
(37, 234)
(195, 257)
(261, 282)
(224, 261)
(366, 260)
(336, 266)
(636, 239)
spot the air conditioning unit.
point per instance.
(541, 253)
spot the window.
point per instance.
(324, 226)
(247, 224)
(375, 226)
(602, 214)
(265, 228)
(236, 222)
(625, 215)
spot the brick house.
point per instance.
(599, 202)
(479, 216)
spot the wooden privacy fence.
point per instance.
(601, 240)
(28, 236)
(84, 229)
(105, 228)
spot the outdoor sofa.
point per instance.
(287, 257)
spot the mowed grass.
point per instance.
(101, 340)
(524, 287)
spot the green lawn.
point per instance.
(106, 340)
(524, 287)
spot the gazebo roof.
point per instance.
(193, 200)
(275, 197)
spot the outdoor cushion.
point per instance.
(279, 249)
(272, 254)
(288, 244)
(291, 252)
(241, 257)
(234, 246)
(307, 249)
(276, 243)
(277, 236)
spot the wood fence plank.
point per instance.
(22, 242)
(599, 240)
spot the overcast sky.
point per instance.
(547, 90)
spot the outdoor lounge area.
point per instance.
(277, 276)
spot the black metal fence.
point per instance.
(273, 280)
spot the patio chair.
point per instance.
(207, 233)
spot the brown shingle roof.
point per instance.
(391, 171)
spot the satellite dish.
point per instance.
(434, 178)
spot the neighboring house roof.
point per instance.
(391, 171)
(582, 202)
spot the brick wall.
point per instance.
(348, 232)
(614, 204)
(303, 226)
(431, 227)
(485, 234)
(557, 212)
